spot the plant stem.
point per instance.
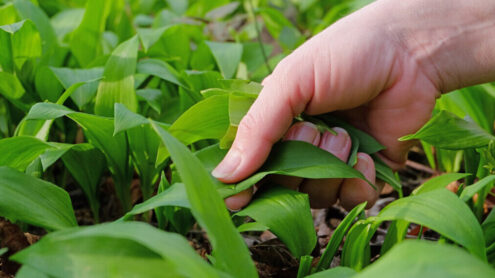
(304, 266)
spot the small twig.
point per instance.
(420, 167)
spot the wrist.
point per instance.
(452, 41)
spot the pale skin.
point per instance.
(382, 69)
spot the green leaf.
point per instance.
(230, 252)
(438, 182)
(3, 251)
(336, 272)
(36, 202)
(337, 236)
(386, 174)
(19, 152)
(252, 227)
(115, 250)
(414, 258)
(396, 233)
(118, 83)
(10, 86)
(84, 94)
(442, 211)
(86, 40)
(367, 144)
(159, 69)
(299, 159)
(446, 130)
(227, 55)
(27, 272)
(207, 119)
(469, 191)
(173, 196)
(289, 219)
(28, 10)
(99, 131)
(356, 250)
(86, 164)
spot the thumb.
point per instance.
(285, 95)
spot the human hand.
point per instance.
(381, 68)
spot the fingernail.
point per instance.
(336, 144)
(303, 131)
(229, 164)
(366, 166)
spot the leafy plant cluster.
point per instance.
(151, 92)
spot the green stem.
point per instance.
(258, 36)
(304, 266)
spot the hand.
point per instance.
(382, 69)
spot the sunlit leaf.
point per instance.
(230, 252)
(414, 258)
(117, 85)
(442, 211)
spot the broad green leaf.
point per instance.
(227, 55)
(289, 219)
(229, 250)
(337, 236)
(66, 22)
(27, 272)
(99, 131)
(10, 86)
(173, 196)
(469, 191)
(126, 119)
(143, 145)
(118, 83)
(252, 55)
(21, 42)
(28, 10)
(85, 42)
(252, 227)
(159, 69)
(446, 130)
(36, 202)
(414, 258)
(8, 14)
(86, 164)
(84, 94)
(438, 182)
(336, 272)
(396, 233)
(442, 211)
(3, 251)
(19, 152)
(125, 249)
(208, 119)
(299, 159)
(149, 37)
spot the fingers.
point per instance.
(324, 192)
(355, 191)
(239, 200)
(302, 131)
(285, 95)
